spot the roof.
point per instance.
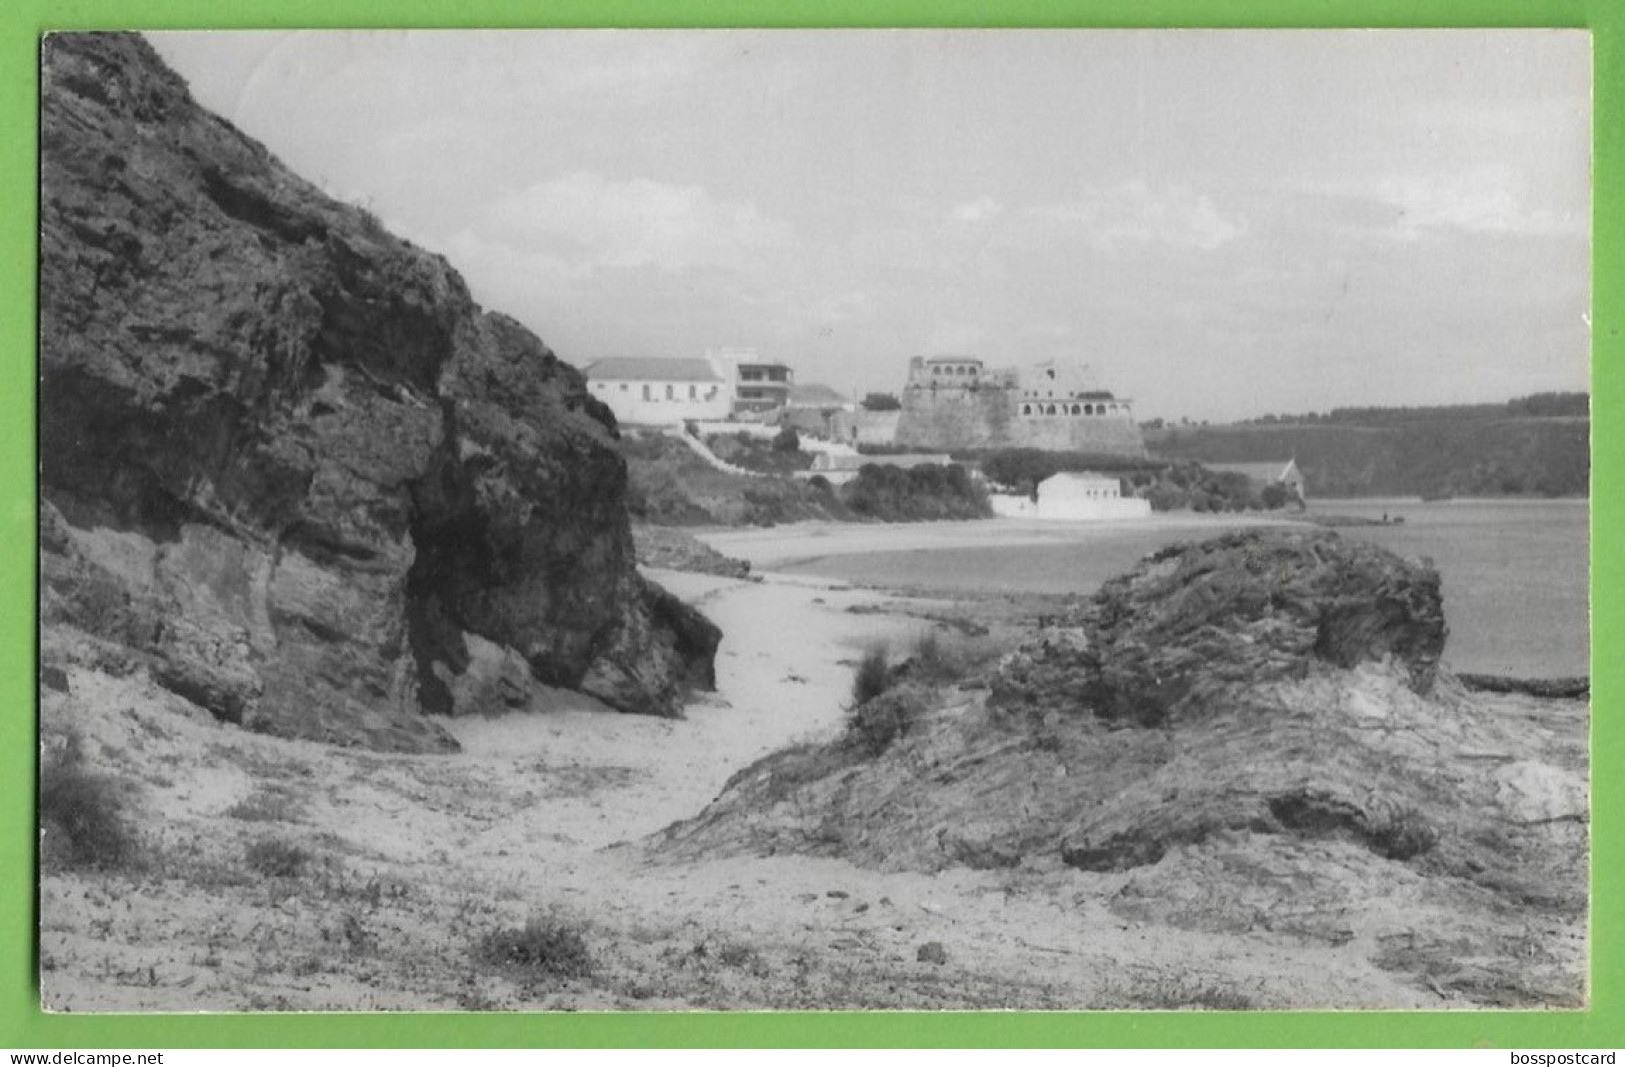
(1082, 478)
(1272, 470)
(624, 368)
(813, 395)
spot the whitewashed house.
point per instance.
(1073, 496)
(660, 392)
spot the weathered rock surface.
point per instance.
(670, 548)
(1195, 620)
(292, 452)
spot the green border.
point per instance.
(23, 1026)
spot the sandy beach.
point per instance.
(411, 858)
(777, 547)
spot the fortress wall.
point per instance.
(1116, 435)
(952, 418)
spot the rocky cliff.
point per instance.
(288, 465)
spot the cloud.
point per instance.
(1482, 200)
(981, 209)
(1138, 213)
(582, 222)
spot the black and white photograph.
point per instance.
(806, 520)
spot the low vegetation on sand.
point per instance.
(545, 947)
(82, 813)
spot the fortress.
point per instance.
(956, 402)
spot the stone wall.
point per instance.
(955, 417)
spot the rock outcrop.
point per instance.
(1195, 620)
(1251, 733)
(296, 452)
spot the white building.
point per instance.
(1069, 496)
(660, 392)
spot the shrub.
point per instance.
(873, 675)
(874, 725)
(86, 811)
(544, 946)
(276, 858)
(787, 440)
(930, 661)
(895, 494)
(1403, 834)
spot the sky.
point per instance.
(1218, 224)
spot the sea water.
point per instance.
(1515, 573)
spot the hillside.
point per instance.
(671, 486)
(1477, 453)
(289, 469)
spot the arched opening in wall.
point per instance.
(1088, 409)
(1076, 410)
(1050, 410)
(1026, 409)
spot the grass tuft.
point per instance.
(86, 812)
(276, 858)
(1403, 834)
(873, 676)
(545, 946)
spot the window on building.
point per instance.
(1026, 409)
(693, 392)
(648, 391)
(624, 387)
(671, 392)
